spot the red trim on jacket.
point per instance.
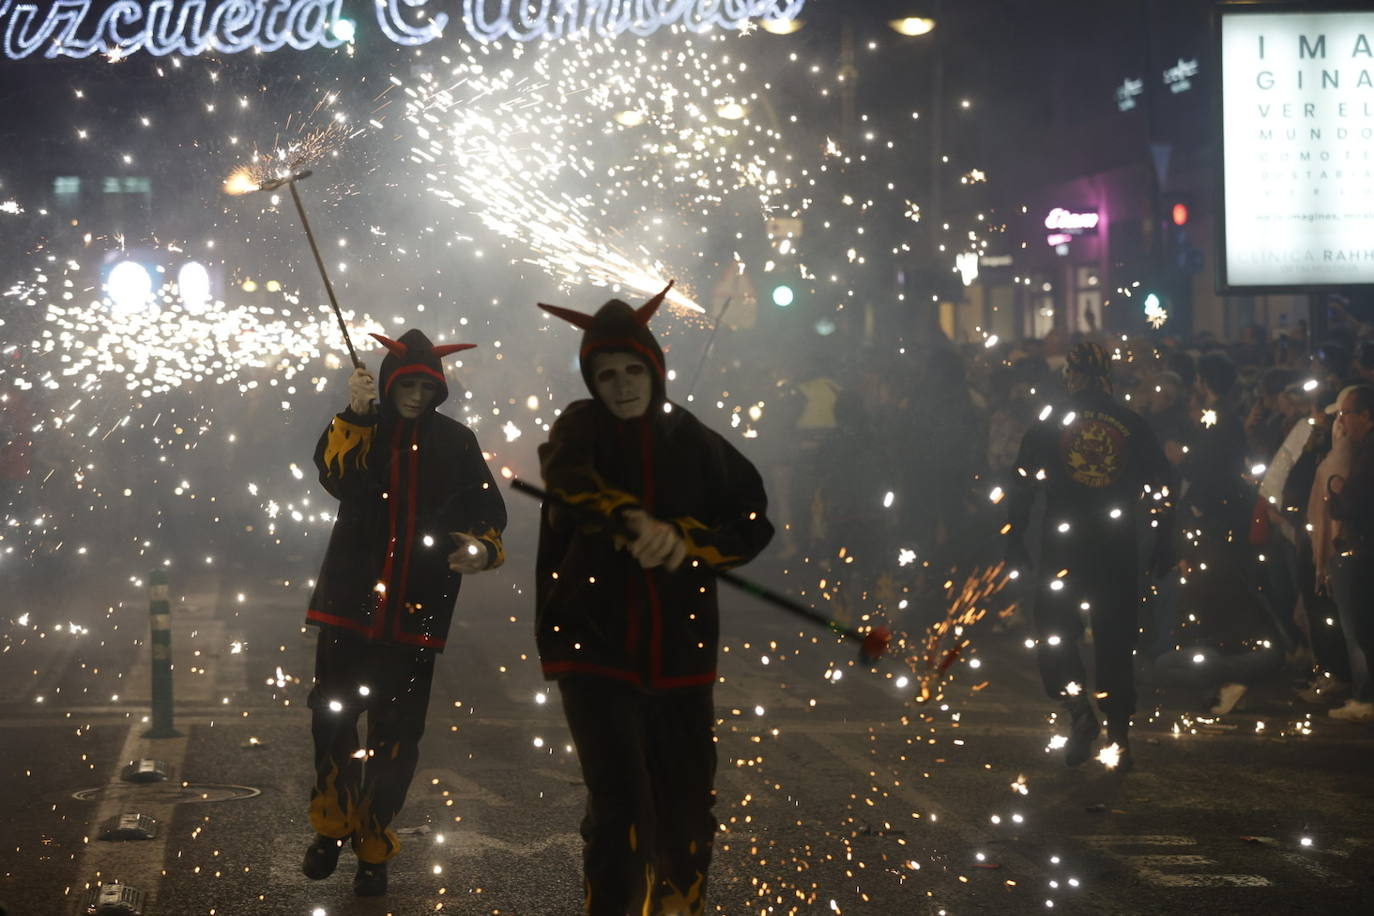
(412, 489)
(333, 620)
(346, 623)
(646, 452)
(383, 599)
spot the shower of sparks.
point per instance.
(289, 157)
(606, 163)
(122, 378)
(947, 639)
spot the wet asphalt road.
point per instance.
(837, 795)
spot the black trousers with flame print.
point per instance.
(649, 762)
(360, 787)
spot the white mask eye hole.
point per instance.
(635, 369)
(605, 375)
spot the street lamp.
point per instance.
(913, 25)
(781, 26)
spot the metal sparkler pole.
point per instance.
(872, 644)
(290, 182)
(710, 342)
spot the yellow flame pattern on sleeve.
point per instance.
(344, 440)
(491, 539)
(707, 553)
(604, 501)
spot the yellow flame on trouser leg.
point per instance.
(331, 811)
(648, 908)
(372, 842)
(679, 903)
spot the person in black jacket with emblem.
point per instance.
(627, 617)
(418, 509)
(1095, 461)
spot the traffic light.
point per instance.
(1183, 255)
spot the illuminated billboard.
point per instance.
(82, 28)
(1297, 151)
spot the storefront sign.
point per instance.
(82, 28)
(1297, 109)
(1070, 221)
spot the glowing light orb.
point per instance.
(193, 282)
(344, 29)
(129, 286)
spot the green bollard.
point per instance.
(160, 618)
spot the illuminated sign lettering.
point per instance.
(72, 28)
(1127, 93)
(1179, 77)
(1069, 221)
(490, 20)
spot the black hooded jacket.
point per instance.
(402, 486)
(597, 611)
(1093, 470)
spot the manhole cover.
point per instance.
(167, 793)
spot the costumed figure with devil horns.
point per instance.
(418, 510)
(627, 622)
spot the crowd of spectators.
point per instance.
(1272, 447)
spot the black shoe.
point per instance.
(370, 881)
(1083, 731)
(322, 857)
(1119, 734)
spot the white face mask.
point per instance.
(623, 384)
(412, 396)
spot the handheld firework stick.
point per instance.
(290, 181)
(872, 645)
